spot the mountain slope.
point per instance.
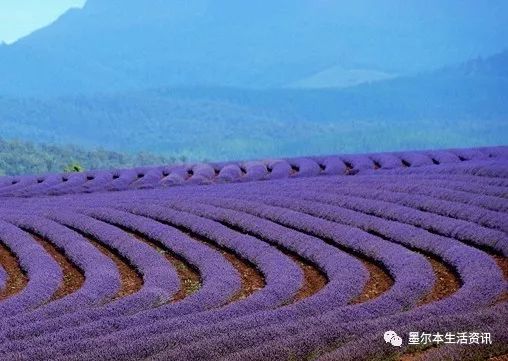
(462, 105)
(113, 45)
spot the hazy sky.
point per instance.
(20, 17)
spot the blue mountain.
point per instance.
(119, 45)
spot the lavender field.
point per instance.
(282, 259)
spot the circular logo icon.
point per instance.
(392, 338)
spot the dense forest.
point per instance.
(464, 105)
(19, 157)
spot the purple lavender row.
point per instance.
(159, 277)
(329, 296)
(44, 274)
(482, 195)
(436, 244)
(102, 280)
(379, 306)
(160, 280)
(430, 189)
(371, 344)
(364, 340)
(277, 281)
(492, 168)
(448, 249)
(483, 217)
(101, 180)
(471, 184)
(240, 325)
(210, 294)
(448, 227)
(470, 277)
(280, 273)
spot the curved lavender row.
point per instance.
(160, 279)
(303, 342)
(254, 170)
(229, 173)
(178, 176)
(280, 273)
(483, 217)
(343, 281)
(448, 227)
(427, 188)
(219, 279)
(204, 170)
(464, 179)
(321, 226)
(492, 168)
(412, 237)
(357, 162)
(387, 161)
(121, 179)
(147, 178)
(70, 183)
(334, 293)
(241, 325)
(371, 247)
(95, 182)
(306, 167)
(463, 192)
(470, 284)
(371, 344)
(277, 289)
(44, 274)
(364, 340)
(333, 165)
(102, 280)
(278, 168)
(210, 295)
(102, 180)
(14, 184)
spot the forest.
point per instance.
(21, 157)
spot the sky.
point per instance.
(19, 18)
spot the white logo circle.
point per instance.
(396, 341)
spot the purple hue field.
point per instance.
(296, 259)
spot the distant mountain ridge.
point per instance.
(113, 45)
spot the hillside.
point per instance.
(107, 46)
(17, 158)
(465, 104)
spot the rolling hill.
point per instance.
(465, 104)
